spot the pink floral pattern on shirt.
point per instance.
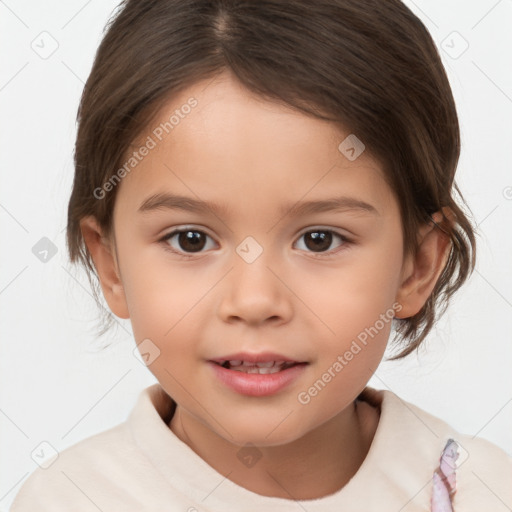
(444, 479)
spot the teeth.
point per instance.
(256, 369)
(262, 368)
(267, 364)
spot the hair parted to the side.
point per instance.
(369, 65)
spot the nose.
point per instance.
(253, 294)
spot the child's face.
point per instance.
(307, 298)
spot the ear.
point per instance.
(102, 251)
(421, 271)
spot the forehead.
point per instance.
(226, 115)
(218, 140)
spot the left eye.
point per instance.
(188, 240)
(320, 240)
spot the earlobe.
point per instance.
(422, 270)
(103, 256)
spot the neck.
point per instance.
(315, 465)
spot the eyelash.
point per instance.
(345, 242)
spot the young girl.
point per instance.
(265, 189)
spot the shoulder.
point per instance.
(483, 470)
(80, 472)
(484, 475)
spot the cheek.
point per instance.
(355, 306)
(352, 297)
(159, 293)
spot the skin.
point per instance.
(253, 157)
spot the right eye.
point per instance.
(186, 241)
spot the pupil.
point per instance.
(191, 241)
(321, 240)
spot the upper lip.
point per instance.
(262, 357)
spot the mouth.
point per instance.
(257, 367)
(257, 375)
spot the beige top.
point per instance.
(141, 465)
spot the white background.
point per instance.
(56, 383)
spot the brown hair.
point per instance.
(369, 65)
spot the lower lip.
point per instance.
(254, 384)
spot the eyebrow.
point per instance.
(165, 201)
